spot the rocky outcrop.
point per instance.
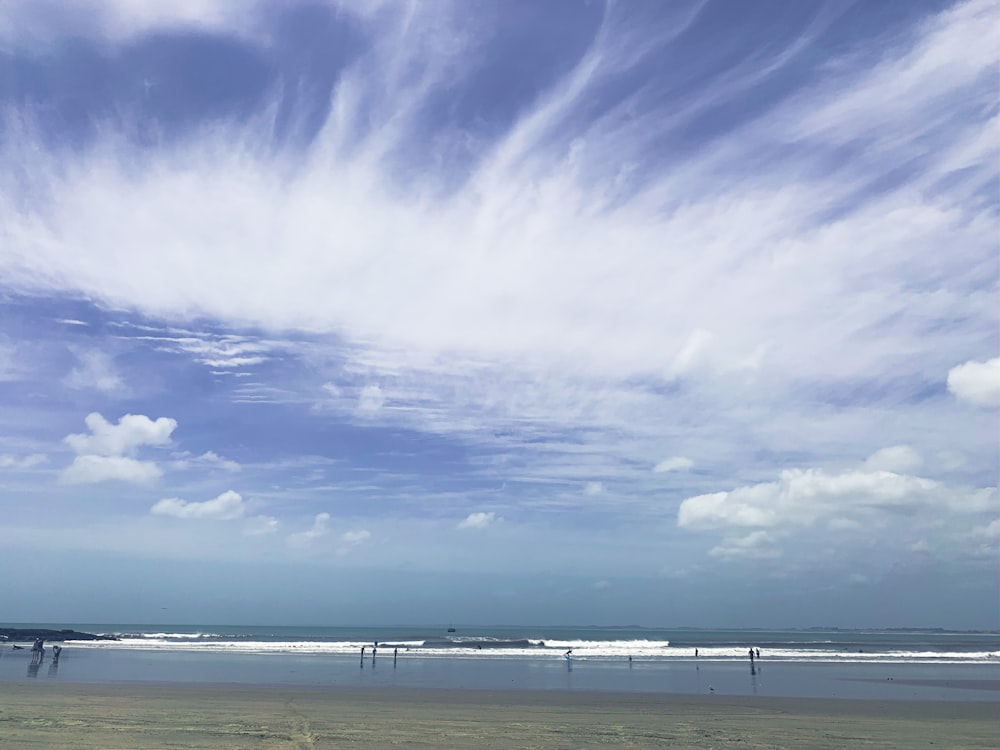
(29, 634)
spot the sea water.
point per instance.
(933, 665)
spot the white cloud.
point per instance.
(806, 497)
(131, 432)
(989, 531)
(226, 507)
(459, 277)
(674, 463)
(371, 399)
(305, 539)
(498, 305)
(757, 545)
(479, 520)
(977, 383)
(351, 539)
(592, 489)
(96, 370)
(900, 459)
(208, 459)
(693, 350)
(8, 461)
(45, 21)
(107, 453)
(261, 526)
(89, 469)
(355, 537)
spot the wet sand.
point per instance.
(225, 716)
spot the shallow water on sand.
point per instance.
(779, 679)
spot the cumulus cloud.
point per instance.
(225, 507)
(674, 463)
(90, 469)
(107, 453)
(806, 497)
(319, 529)
(131, 432)
(900, 459)
(479, 520)
(976, 383)
(593, 488)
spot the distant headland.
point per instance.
(30, 634)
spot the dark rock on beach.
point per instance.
(30, 634)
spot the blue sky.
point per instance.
(346, 313)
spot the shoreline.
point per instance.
(218, 717)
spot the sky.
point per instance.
(500, 312)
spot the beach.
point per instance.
(158, 715)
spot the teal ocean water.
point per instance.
(936, 665)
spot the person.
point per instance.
(56, 650)
(758, 653)
(696, 653)
(751, 654)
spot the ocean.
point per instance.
(911, 664)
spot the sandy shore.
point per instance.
(200, 716)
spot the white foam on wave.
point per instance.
(595, 650)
